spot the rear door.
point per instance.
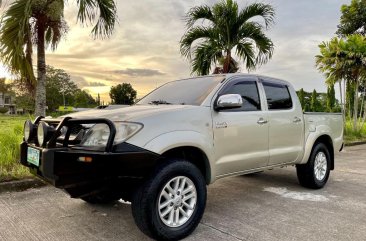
(286, 128)
(241, 135)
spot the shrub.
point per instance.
(3, 110)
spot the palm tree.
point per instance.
(328, 63)
(27, 22)
(225, 29)
(344, 59)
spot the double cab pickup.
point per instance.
(162, 152)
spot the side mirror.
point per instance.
(229, 101)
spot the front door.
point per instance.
(241, 134)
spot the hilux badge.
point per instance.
(220, 125)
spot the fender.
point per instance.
(314, 134)
(174, 139)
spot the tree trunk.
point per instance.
(364, 117)
(342, 102)
(41, 73)
(30, 80)
(361, 110)
(227, 62)
(355, 106)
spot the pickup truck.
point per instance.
(162, 152)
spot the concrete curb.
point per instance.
(21, 185)
(356, 143)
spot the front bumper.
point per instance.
(62, 167)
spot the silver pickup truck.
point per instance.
(162, 152)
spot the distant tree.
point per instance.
(353, 18)
(304, 98)
(331, 100)
(227, 28)
(301, 95)
(314, 102)
(350, 98)
(98, 100)
(123, 94)
(83, 99)
(59, 88)
(4, 87)
(25, 102)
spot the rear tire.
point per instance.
(315, 173)
(170, 204)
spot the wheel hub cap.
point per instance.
(320, 166)
(177, 201)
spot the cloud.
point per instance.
(144, 49)
(82, 83)
(139, 72)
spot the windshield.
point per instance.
(182, 92)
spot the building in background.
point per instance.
(7, 100)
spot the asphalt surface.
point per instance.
(265, 206)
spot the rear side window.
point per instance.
(249, 93)
(278, 96)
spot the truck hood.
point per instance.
(131, 113)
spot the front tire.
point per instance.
(170, 204)
(315, 173)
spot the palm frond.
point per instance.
(55, 31)
(205, 55)
(265, 11)
(264, 47)
(14, 36)
(197, 13)
(193, 35)
(245, 50)
(88, 13)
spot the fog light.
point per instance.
(29, 129)
(44, 133)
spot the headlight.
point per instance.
(44, 133)
(98, 134)
(28, 130)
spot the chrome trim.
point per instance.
(229, 101)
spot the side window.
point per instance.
(278, 96)
(249, 92)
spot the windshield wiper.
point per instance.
(159, 102)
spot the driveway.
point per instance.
(265, 206)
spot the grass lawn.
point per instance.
(351, 136)
(11, 134)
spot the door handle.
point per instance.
(262, 121)
(296, 119)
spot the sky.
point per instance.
(144, 49)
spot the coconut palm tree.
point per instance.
(225, 28)
(41, 23)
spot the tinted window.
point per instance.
(249, 93)
(183, 92)
(278, 96)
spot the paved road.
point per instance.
(267, 206)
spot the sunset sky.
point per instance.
(144, 50)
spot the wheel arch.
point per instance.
(327, 141)
(194, 155)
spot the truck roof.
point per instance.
(243, 74)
